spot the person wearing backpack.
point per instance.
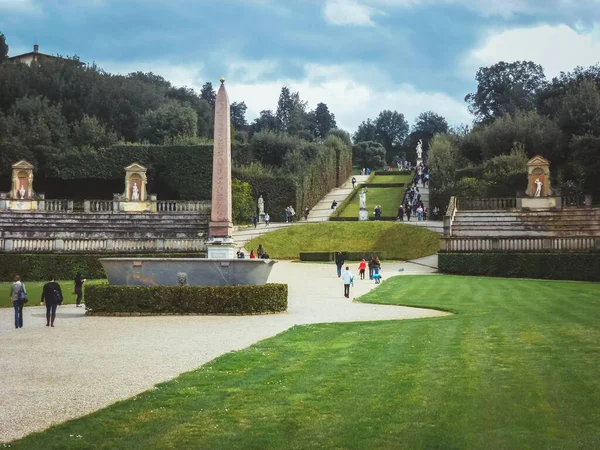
(18, 297)
(52, 297)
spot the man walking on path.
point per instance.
(52, 296)
(339, 262)
(353, 182)
(348, 280)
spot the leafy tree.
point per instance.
(506, 174)
(324, 121)
(579, 111)
(430, 123)
(168, 121)
(343, 135)
(209, 94)
(270, 148)
(586, 154)
(265, 122)
(391, 129)
(242, 202)
(443, 160)
(90, 132)
(550, 98)
(367, 131)
(369, 154)
(506, 88)
(3, 48)
(285, 104)
(238, 115)
(203, 109)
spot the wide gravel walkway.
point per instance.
(50, 375)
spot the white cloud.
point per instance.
(178, 74)
(348, 12)
(20, 6)
(557, 48)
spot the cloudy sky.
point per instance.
(358, 56)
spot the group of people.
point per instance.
(52, 297)
(267, 219)
(259, 254)
(365, 171)
(413, 205)
(289, 213)
(374, 266)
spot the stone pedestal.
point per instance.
(419, 161)
(261, 218)
(363, 214)
(221, 248)
(540, 202)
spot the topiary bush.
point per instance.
(554, 266)
(123, 300)
(39, 267)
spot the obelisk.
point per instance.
(220, 228)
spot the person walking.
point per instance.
(339, 263)
(254, 220)
(306, 211)
(362, 267)
(52, 297)
(78, 289)
(353, 182)
(371, 266)
(18, 297)
(401, 213)
(348, 280)
(259, 251)
(267, 219)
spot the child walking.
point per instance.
(362, 267)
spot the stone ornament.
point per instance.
(538, 190)
(362, 198)
(261, 205)
(420, 149)
(22, 181)
(538, 177)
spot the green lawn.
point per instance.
(397, 240)
(389, 199)
(392, 179)
(34, 292)
(516, 368)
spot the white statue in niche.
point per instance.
(135, 194)
(261, 206)
(420, 149)
(22, 192)
(538, 190)
(362, 198)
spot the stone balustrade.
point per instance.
(519, 244)
(470, 204)
(449, 217)
(182, 206)
(576, 200)
(20, 245)
(56, 205)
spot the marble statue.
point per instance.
(362, 197)
(135, 195)
(420, 149)
(22, 192)
(538, 190)
(261, 206)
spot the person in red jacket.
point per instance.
(362, 266)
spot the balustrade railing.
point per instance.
(58, 205)
(470, 204)
(449, 217)
(520, 244)
(98, 205)
(182, 206)
(58, 245)
(576, 200)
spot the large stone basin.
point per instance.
(186, 271)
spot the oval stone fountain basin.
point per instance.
(186, 271)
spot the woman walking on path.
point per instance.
(79, 280)
(17, 300)
(348, 280)
(52, 297)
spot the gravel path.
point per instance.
(50, 375)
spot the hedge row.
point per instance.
(40, 267)
(260, 299)
(395, 172)
(555, 266)
(355, 219)
(348, 256)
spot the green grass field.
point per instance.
(392, 179)
(34, 292)
(398, 241)
(389, 199)
(517, 367)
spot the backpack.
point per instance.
(56, 293)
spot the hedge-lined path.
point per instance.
(320, 213)
(50, 375)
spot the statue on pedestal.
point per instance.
(420, 149)
(22, 192)
(538, 190)
(362, 198)
(261, 206)
(135, 194)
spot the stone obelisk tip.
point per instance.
(222, 80)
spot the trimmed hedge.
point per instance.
(260, 299)
(330, 256)
(39, 267)
(554, 266)
(395, 172)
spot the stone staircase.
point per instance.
(566, 222)
(322, 210)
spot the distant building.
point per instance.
(36, 56)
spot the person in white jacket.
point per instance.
(348, 280)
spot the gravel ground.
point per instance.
(50, 375)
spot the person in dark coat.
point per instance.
(78, 289)
(52, 297)
(401, 213)
(339, 263)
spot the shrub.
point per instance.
(39, 267)
(243, 205)
(555, 266)
(107, 300)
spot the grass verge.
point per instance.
(517, 367)
(398, 241)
